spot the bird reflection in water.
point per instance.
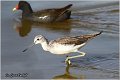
(67, 75)
(25, 26)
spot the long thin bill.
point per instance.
(28, 47)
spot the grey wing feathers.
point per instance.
(77, 40)
(70, 40)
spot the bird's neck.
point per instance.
(27, 11)
(45, 45)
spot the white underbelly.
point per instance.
(62, 49)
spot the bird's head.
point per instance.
(22, 5)
(39, 39)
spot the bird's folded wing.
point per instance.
(70, 40)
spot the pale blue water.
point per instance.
(100, 62)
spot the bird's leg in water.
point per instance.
(68, 58)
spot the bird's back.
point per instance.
(54, 14)
(77, 40)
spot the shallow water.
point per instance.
(100, 62)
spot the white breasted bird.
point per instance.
(64, 45)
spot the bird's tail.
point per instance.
(91, 36)
(94, 35)
(64, 10)
(67, 7)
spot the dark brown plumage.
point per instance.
(44, 16)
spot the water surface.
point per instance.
(100, 62)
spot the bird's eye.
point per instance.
(38, 39)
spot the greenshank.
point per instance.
(64, 45)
